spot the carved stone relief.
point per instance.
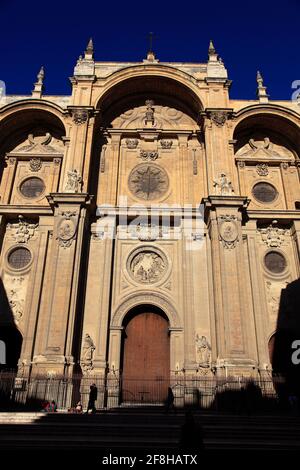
(148, 155)
(35, 164)
(164, 118)
(74, 182)
(273, 236)
(273, 290)
(223, 185)
(39, 145)
(16, 293)
(147, 266)
(166, 144)
(80, 116)
(148, 181)
(264, 148)
(228, 231)
(22, 231)
(66, 229)
(262, 169)
(132, 143)
(218, 118)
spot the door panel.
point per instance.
(146, 365)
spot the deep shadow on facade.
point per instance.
(150, 230)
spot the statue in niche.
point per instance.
(149, 117)
(223, 185)
(88, 353)
(74, 182)
(203, 350)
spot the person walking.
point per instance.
(92, 399)
(170, 401)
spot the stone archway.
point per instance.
(145, 355)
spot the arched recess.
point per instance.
(19, 120)
(149, 298)
(30, 130)
(277, 124)
(267, 150)
(128, 93)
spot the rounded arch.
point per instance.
(21, 118)
(136, 82)
(282, 124)
(146, 298)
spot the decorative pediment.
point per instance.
(263, 149)
(39, 145)
(162, 117)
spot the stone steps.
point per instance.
(145, 429)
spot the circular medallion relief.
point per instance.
(148, 181)
(264, 192)
(32, 187)
(19, 258)
(147, 265)
(275, 262)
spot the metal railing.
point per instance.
(216, 393)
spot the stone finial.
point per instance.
(212, 53)
(41, 76)
(261, 91)
(37, 92)
(89, 52)
(211, 49)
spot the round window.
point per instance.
(19, 258)
(264, 192)
(32, 187)
(275, 262)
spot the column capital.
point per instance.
(222, 202)
(73, 199)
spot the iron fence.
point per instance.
(215, 393)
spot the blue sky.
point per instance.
(247, 35)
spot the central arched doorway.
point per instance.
(145, 356)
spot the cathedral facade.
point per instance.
(149, 224)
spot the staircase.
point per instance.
(145, 429)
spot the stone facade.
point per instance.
(132, 138)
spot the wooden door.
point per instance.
(146, 360)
